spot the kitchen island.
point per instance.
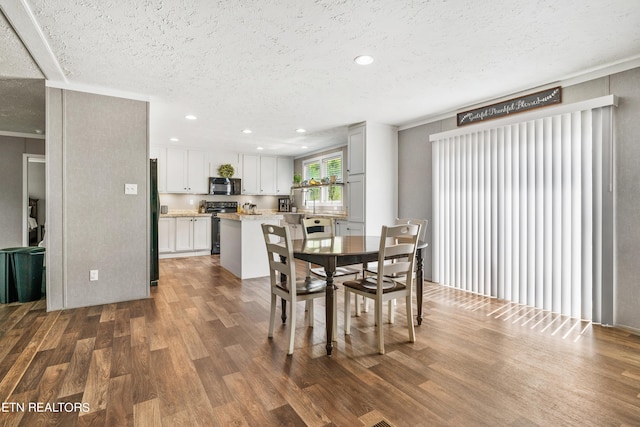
(242, 248)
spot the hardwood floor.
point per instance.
(197, 354)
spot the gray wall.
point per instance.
(627, 194)
(11, 151)
(415, 181)
(96, 145)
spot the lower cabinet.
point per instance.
(166, 235)
(349, 228)
(295, 231)
(184, 236)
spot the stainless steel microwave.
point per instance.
(225, 186)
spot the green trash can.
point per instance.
(27, 266)
(8, 291)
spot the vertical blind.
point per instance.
(518, 210)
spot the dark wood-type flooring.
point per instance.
(197, 354)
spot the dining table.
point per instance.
(338, 251)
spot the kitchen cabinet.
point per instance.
(166, 235)
(193, 233)
(356, 149)
(187, 171)
(250, 174)
(266, 175)
(160, 153)
(284, 176)
(372, 176)
(295, 230)
(356, 197)
(349, 228)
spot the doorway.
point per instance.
(33, 199)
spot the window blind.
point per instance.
(520, 208)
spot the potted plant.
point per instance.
(226, 170)
(297, 179)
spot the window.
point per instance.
(324, 167)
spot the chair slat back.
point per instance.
(310, 225)
(424, 223)
(397, 241)
(280, 255)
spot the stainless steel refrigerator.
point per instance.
(155, 215)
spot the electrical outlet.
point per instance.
(191, 201)
(131, 189)
(93, 275)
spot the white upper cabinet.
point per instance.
(187, 171)
(284, 176)
(356, 149)
(268, 167)
(198, 172)
(250, 174)
(160, 153)
(266, 175)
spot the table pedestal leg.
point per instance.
(329, 269)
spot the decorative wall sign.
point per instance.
(517, 105)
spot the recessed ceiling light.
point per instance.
(246, 130)
(304, 146)
(363, 60)
(38, 131)
(174, 139)
(190, 117)
(300, 130)
(260, 148)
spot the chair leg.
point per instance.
(378, 314)
(391, 311)
(272, 316)
(335, 317)
(292, 326)
(412, 333)
(357, 306)
(310, 312)
(347, 311)
(365, 303)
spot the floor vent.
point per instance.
(382, 423)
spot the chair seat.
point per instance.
(369, 285)
(340, 271)
(306, 286)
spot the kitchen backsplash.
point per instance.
(183, 201)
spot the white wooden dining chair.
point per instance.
(397, 242)
(372, 268)
(322, 228)
(285, 284)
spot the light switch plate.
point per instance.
(131, 189)
(93, 275)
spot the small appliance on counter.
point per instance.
(164, 209)
(284, 205)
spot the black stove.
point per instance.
(220, 207)
(214, 208)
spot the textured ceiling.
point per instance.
(279, 65)
(21, 85)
